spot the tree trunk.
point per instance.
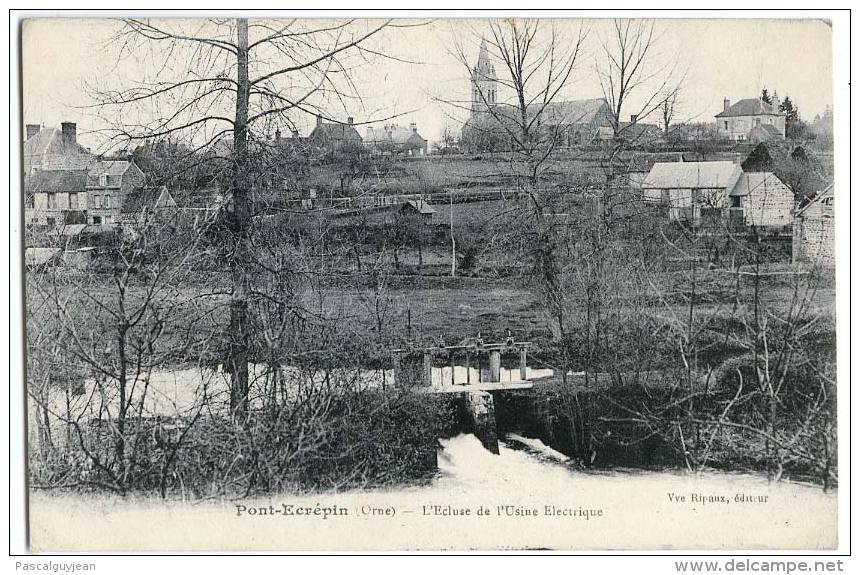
(239, 332)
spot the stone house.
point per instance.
(763, 199)
(748, 117)
(691, 190)
(55, 198)
(396, 139)
(109, 183)
(814, 231)
(54, 149)
(334, 136)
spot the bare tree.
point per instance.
(630, 65)
(669, 110)
(225, 78)
(113, 326)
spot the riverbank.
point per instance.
(572, 510)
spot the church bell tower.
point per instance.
(483, 82)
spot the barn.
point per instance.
(764, 200)
(814, 232)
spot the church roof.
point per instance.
(574, 111)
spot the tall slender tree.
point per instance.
(219, 80)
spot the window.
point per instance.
(726, 124)
(106, 220)
(52, 201)
(51, 221)
(97, 200)
(103, 181)
(696, 195)
(736, 201)
(106, 202)
(29, 200)
(97, 220)
(73, 201)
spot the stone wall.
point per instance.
(814, 240)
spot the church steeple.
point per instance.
(483, 81)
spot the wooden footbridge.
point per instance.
(414, 367)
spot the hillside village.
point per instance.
(632, 290)
(722, 170)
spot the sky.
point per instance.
(720, 58)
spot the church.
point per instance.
(492, 124)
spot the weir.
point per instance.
(474, 399)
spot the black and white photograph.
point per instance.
(419, 283)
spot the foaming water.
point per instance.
(515, 500)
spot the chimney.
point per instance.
(319, 120)
(349, 120)
(295, 133)
(70, 132)
(32, 130)
(726, 104)
(278, 136)
(633, 118)
(414, 126)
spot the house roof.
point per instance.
(394, 134)
(151, 198)
(688, 175)
(420, 206)
(209, 198)
(56, 181)
(750, 181)
(49, 141)
(330, 131)
(112, 168)
(771, 129)
(639, 131)
(73, 229)
(817, 200)
(41, 256)
(764, 132)
(750, 107)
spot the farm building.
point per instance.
(396, 139)
(141, 204)
(764, 199)
(814, 232)
(55, 198)
(690, 188)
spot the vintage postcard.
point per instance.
(487, 283)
